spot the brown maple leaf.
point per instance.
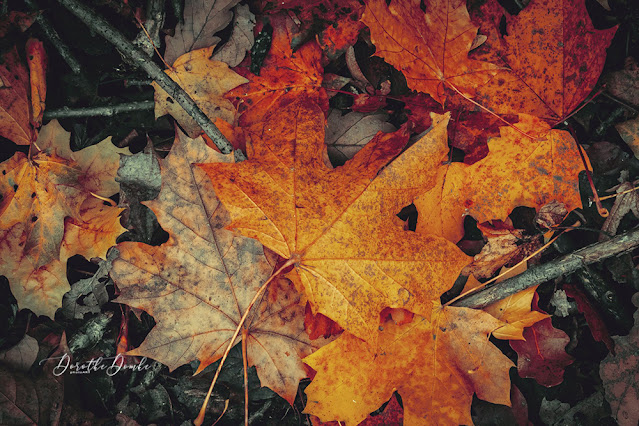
(48, 213)
(198, 285)
(352, 257)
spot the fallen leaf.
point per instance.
(206, 81)
(595, 322)
(516, 310)
(20, 356)
(346, 134)
(33, 399)
(551, 60)
(624, 84)
(15, 114)
(502, 244)
(241, 39)
(430, 48)
(518, 171)
(542, 356)
(48, 213)
(471, 130)
(285, 76)
(202, 19)
(393, 414)
(87, 296)
(334, 23)
(619, 374)
(418, 107)
(352, 256)
(198, 285)
(37, 60)
(629, 132)
(320, 325)
(419, 360)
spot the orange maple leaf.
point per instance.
(352, 256)
(430, 48)
(436, 366)
(48, 213)
(518, 171)
(198, 285)
(284, 77)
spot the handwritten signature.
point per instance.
(96, 364)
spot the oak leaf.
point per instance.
(202, 19)
(518, 171)
(619, 375)
(551, 60)
(48, 214)
(542, 354)
(436, 366)
(241, 39)
(198, 285)
(206, 81)
(352, 256)
(430, 48)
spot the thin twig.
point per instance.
(553, 269)
(99, 111)
(245, 365)
(139, 58)
(52, 35)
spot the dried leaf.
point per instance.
(542, 355)
(15, 114)
(206, 81)
(353, 258)
(450, 352)
(347, 134)
(551, 60)
(198, 285)
(202, 19)
(430, 48)
(241, 40)
(518, 171)
(619, 374)
(48, 214)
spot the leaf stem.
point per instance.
(245, 365)
(200, 418)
